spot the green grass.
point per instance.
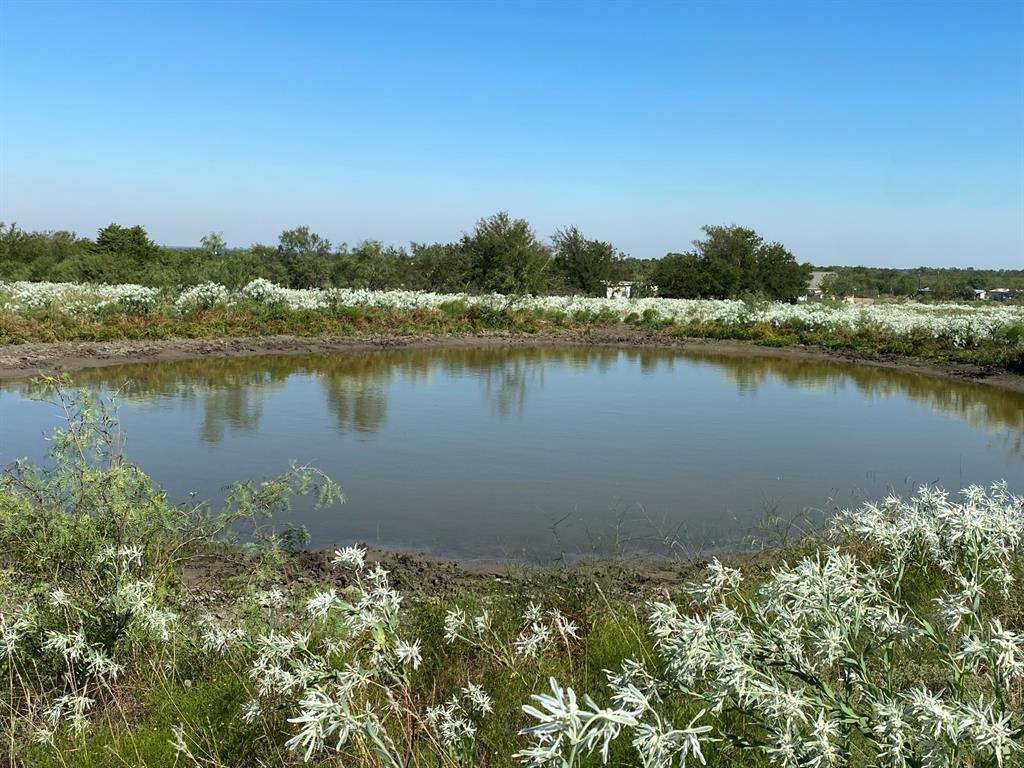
(205, 698)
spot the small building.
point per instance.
(618, 290)
(814, 285)
(1005, 294)
(980, 294)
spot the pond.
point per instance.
(544, 453)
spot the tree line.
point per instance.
(941, 283)
(500, 254)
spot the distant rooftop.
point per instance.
(817, 278)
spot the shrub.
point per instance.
(203, 296)
(809, 669)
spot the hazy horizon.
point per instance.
(880, 135)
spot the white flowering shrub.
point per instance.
(541, 631)
(89, 589)
(830, 662)
(452, 725)
(76, 637)
(73, 298)
(202, 296)
(339, 667)
(263, 291)
(347, 673)
(959, 325)
(130, 298)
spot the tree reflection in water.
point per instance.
(232, 391)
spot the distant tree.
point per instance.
(213, 244)
(371, 265)
(506, 257)
(943, 283)
(834, 285)
(127, 242)
(902, 284)
(731, 262)
(779, 275)
(299, 242)
(24, 253)
(728, 257)
(638, 271)
(678, 276)
(585, 264)
(443, 267)
(239, 266)
(499, 254)
(306, 257)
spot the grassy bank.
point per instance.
(135, 632)
(1003, 348)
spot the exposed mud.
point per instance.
(416, 573)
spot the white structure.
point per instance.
(621, 290)
(1002, 294)
(814, 289)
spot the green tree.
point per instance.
(506, 257)
(213, 245)
(585, 264)
(678, 276)
(306, 257)
(371, 265)
(728, 260)
(442, 267)
(732, 262)
(127, 242)
(37, 255)
(779, 275)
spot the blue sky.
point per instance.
(874, 133)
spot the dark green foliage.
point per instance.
(441, 267)
(501, 254)
(941, 283)
(128, 242)
(213, 244)
(371, 265)
(306, 256)
(585, 264)
(506, 257)
(678, 276)
(779, 276)
(732, 262)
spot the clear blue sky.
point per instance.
(875, 133)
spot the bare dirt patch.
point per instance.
(417, 573)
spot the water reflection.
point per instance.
(232, 391)
(980, 406)
(498, 451)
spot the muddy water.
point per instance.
(551, 452)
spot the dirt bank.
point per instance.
(25, 360)
(416, 573)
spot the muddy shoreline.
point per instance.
(19, 361)
(419, 573)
